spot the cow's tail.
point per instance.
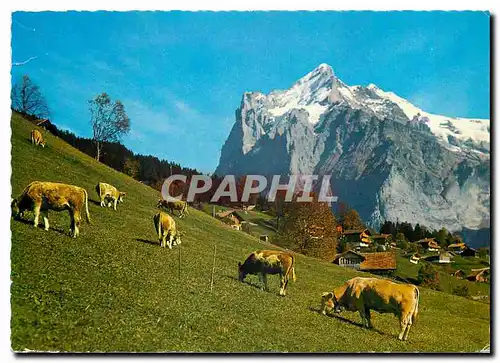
(415, 309)
(87, 214)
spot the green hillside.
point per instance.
(114, 289)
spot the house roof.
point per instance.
(429, 241)
(353, 231)
(378, 261)
(457, 245)
(225, 213)
(382, 235)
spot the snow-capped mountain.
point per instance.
(388, 158)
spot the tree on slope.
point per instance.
(109, 121)
(309, 228)
(27, 98)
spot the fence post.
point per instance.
(213, 269)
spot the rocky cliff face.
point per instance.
(387, 158)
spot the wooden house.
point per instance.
(357, 238)
(443, 257)
(428, 244)
(232, 218)
(415, 258)
(375, 262)
(459, 274)
(457, 247)
(381, 239)
(469, 252)
(479, 275)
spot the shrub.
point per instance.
(428, 277)
(461, 290)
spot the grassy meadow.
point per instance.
(114, 289)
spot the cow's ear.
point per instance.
(327, 295)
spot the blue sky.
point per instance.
(181, 75)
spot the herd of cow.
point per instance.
(358, 294)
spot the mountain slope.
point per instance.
(115, 289)
(388, 159)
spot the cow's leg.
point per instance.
(362, 313)
(283, 284)
(263, 280)
(170, 239)
(76, 222)
(163, 240)
(46, 220)
(368, 318)
(402, 324)
(409, 322)
(36, 210)
(115, 203)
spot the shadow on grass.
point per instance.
(95, 202)
(153, 243)
(344, 320)
(41, 226)
(244, 282)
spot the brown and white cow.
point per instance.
(264, 262)
(37, 138)
(165, 227)
(107, 192)
(364, 294)
(40, 197)
(172, 205)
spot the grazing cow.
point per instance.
(37, 138)
(363, 293)
(44, 196)
(165, 227)
(172, 205)
(265, 262)
(108, 192)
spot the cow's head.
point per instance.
(241, 272)
(120, 197)
(14, 206)
(328, 302)
(177, 238)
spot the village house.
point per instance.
(443, 257)
(375, 262)
(456, 247)
(428, 244)
(357, 238)
(415, 258)
(462, 249)
(459, 274)
(479, 275)
(469, 252)
(232, 218)
(381, 239)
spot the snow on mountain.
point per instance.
(318, 90)
(445, 128)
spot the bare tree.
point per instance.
(109, 121)
(27, 98)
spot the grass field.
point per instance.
(114, 289)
